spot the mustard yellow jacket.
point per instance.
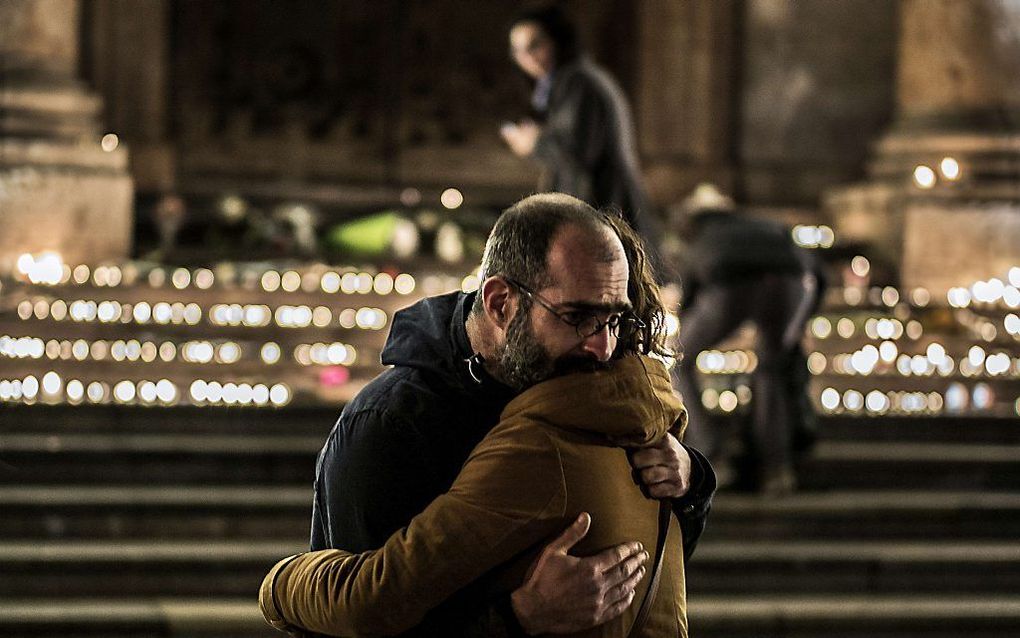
(555, 453)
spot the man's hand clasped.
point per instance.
(563, 593)
(662, 469)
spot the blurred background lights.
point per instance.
(710, 398)
(405, 238)
(888, 351)
(957, 397)
(330, 282)
(81, 274)
(845, 327)
(404, 284)
(270, 281)
(808, 236)
(949, 168)
(181, 278)
(410, 197)
(75, 390)
(270, 353)
(45, 268)
(1012, 324)
(51, 383)
(821, 327)
(451, 198)
(860, 265)
(983, 397)
(959, 297)
(998, 364)
(1011, 297)
(110, 142)
(204, 278)
(166, 391)
(924, 176)
(97, 392)
(290, 281)
(147, 391)
(853, 400)
(279, 395)
(365, 283)
(976, 356)
(877, 402)
(124, 391)
(890, 296)
(450, 243)
(232, 208)
(936, 353)
(830, 399)
(727, 401)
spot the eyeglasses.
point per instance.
(586, 323)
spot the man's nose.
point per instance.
(601, 344)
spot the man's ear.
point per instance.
(499, 301)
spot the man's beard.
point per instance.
(523, 361)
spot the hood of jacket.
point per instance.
(632, 402)
(431, 336)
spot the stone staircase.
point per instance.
(130, 521)
(904, 527)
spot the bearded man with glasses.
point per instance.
(553, 362)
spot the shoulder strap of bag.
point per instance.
(665, 513)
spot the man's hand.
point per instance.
(663, 468)
(521, 138)
(564, 594)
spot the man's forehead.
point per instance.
(586, 279)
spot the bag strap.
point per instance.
(665, 513)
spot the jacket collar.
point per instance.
(632, 402)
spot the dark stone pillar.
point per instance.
(59, 189)
(958, 97)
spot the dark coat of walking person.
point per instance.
(583, 132)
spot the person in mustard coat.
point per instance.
(559, 452)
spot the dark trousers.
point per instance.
(779, 306)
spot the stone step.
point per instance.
(317, 421)
(759, 568)
(124, 419)
(269, 511)
(843, 465)
(866, 515)
(853, 616)
(232, 568)
(134, 618)
(816, 616)
(132, 459)
(143, 568)
(170, 512)
(904, 429)
(157, 459)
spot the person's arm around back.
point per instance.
(508, 497)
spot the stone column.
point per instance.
(683, 100)
(59, 189)
(958, 97)
(129, 66)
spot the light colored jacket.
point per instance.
(555, 453)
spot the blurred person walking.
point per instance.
(738, 268)
(583, 131)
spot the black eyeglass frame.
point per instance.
(615, 322)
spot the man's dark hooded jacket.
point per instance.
(402, 441)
